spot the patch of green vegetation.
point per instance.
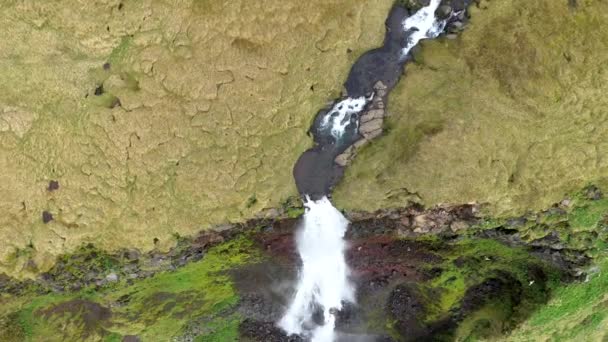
(576, 311)
(113, 337)
(580, 224)
(120, 53)
(251, 201)
(155, 308)
(221, 330)
(588, 214)
(293, 207)
(72, 268)
(474, 260)
(488, 322)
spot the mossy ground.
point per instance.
(155, 309)
(576, 312)
(472, 262)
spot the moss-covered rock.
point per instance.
(156, 308)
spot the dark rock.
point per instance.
(130, 338)
(459, 5)
(53, 185)
(593, 193)
(503, 287)
(265, 332)
(47, 217)
(99, 90)
(455, 26)
(443, 12)
(405, 306)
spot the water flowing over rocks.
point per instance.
(371, 78)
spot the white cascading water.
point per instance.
(340, 113)
(324, 278)
(424, 25)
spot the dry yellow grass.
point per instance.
(216, 99)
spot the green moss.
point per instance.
(587, 216)
(73, 268)
(251, 201)
(292, 207)
(575, 311)
(474, 260)
(488, 322)
(120, 53)
(113, 337)
(222, 330)
(156, 308)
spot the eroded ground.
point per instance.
(157, 118)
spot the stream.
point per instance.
(324, 284)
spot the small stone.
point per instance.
(380, 86)
(443, 12)
(373, 134)
(270, 213)
(371, 115)
(132, 255)
(451, 36)
(593, 193)
(53, 185)
(131, 338)
(566, 202)
(360, 143)
(99, 90)
(47, 217)
(341, 160)
(456, 26)
(458, 225)
(420, 220)
(222, 227)
(371, 126)
(112, 277)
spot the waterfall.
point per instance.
(323, 283)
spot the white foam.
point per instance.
(424, 25)
(339, 115)
(323, 280)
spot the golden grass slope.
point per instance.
(215, 100)
(513, 113)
